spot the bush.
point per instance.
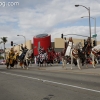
(1, 57)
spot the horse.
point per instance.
(12, 61)
(95, 51)
(27, 58)
(92, 53)
(77, 53)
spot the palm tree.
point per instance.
(4, 40)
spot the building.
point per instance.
(41, 40)
(59, 43)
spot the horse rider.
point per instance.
(24, 50)
(88, 46)
(17, 55)
(70, 46)
(11, 55)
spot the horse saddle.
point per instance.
(75, 53)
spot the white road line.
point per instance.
(53, 82)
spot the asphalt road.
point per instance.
(21, 84)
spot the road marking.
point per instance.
(53, 82)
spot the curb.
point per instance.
(67, 71)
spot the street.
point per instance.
(34, 84)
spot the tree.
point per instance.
(4, 40)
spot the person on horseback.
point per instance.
(24, 50)
(88, 46)
(11, 53)
(10, 58)
(70, 46)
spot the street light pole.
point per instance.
(94, 24)
(89, 18)
(89, 23)
(95, 27)
(24, 38)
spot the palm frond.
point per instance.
(4, 39)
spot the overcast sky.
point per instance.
(54, 17)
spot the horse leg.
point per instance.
(27, 64)
(51, 62)
(38, 63)
(21, 64)
(42, 63)
(86, 64)
(45, 62)
(15, 64)
(7, 65)
(93, 62)
(71, 61)
(78, 63)
(63, 64)
(24, 65)
(96, 61)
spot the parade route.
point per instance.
(67, 69)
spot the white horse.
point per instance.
(94, 53)
(74, 54)
(27, 58)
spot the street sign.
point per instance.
(95, 35)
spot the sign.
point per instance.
(95, 35)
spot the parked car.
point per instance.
(2, 62)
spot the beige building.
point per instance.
(60, 43)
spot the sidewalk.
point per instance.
(67, 69)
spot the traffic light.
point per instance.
(11, 43)
(62, 36)
(94, 43)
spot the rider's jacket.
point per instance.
(24, 50)
(11, 54)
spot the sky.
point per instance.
(54, 17)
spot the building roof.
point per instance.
(41, 35)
